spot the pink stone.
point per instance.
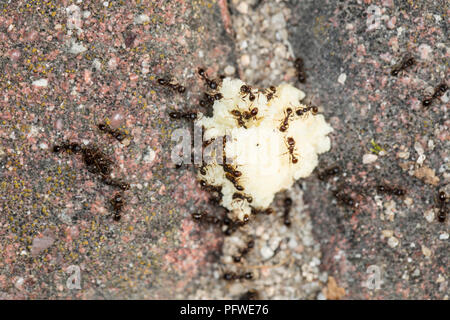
(40, 244)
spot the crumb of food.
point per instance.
(427, 175)
(332, 291)
(271, 141)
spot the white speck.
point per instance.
(342, 78)
(443, 236)
(229, 70)
(243, 8)
(369, 158)
(19, 282)
(403, 154)
(393, 242)
(266, 252)
(23, 253)
(105, 4)
(43, 146)
(429, 215)
(426, 251)
(437, 17)
(97, 64)
(86, 14)
(149, 155)
(40, 83)
(424, 51)
(245, 60)
(77, 48)
(142, 18)
(431, 144)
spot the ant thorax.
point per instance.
(263, 158)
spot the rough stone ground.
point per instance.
(67, 65)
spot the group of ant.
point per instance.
(438, 91)
(381, 188)
(97, 162)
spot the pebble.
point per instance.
(342, 77)
(243, 8)
(393, 242)
(369, 158)
(266, 252)
(77, 48)
(245, 60)
(443, 236)
(141, 19)
(40, 83)
(426, 251)
(229, 70)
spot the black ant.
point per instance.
(287, 209)
(332, 171)
(247, 90)
(285, 125)
(291, 146)
(211, 83)
(344, 198)
(238, 115)
(232, 226)
(391, 190)
(250, 114)
(117, 134)
(234, 180)
(438, 92)
(68, 147)
(230, 169)
(271, 93)
(244, 251)
(229, 276)
(442, 215)
(301, 75)
(204, 217)
(250, 295)
(406, 62)
(241, 196)
(186, 115)
(117, 203)
(175, 86)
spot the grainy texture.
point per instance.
(66, 66)
(349, 52)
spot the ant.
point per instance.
(250, 114)
(230, 169)
(68, 147)
(391, 190)
(169, 83)
(232, 226)
(233, 179)
(238, 195)
(104, 127)
(186, 115)
(229, 276)
(271, 93)
(291, 146)
(204, 217)
(287, 209)
(247, 90)
(244, 251)
(211, 83)
(250, 295)
(406, 62)
(442, 215)
(117, 204)
(238, 115)
(332, 171)
(344, 198)
(301, 75)
(438, 92)
(285, 125)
